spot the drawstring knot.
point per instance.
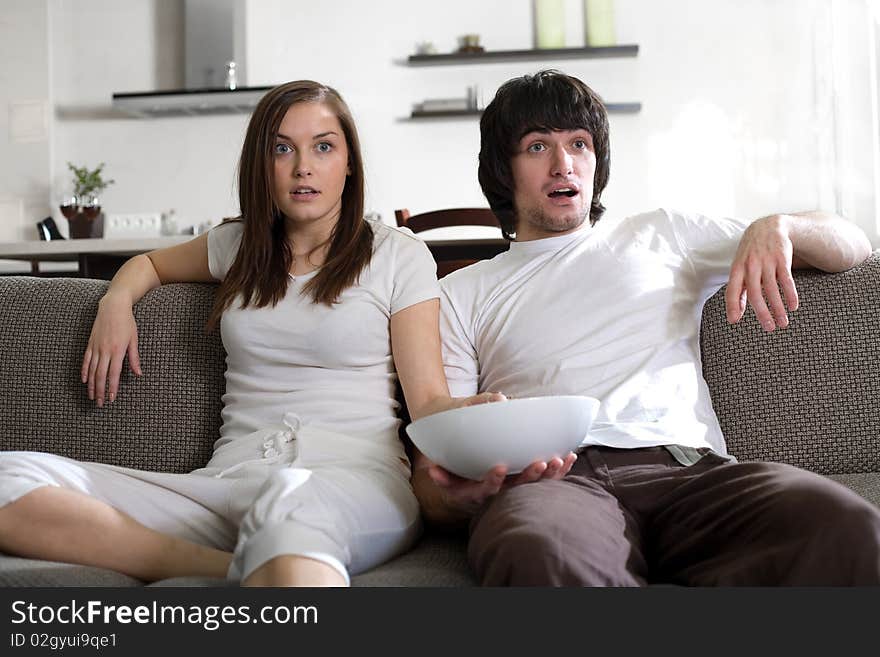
(274, 446)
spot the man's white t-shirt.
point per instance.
(332, 366)
(610, 311)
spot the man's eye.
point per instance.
(580, 144)
(536, 148)
(282, 149)
(324, 147)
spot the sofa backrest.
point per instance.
(167, 420)
(806, 395)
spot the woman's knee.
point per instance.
(295, 570)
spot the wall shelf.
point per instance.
(613, 108)
(522, 55)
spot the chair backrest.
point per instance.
(445, 218)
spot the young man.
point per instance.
(611, 310)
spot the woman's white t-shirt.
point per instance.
(331, 365)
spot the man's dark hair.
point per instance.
(547, 100)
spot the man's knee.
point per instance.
(839, 529)
(805, 502)
(523, 538)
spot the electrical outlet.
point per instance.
(143, 224)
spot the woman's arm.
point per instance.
(446, 499)
(415, 345)
(114, 332)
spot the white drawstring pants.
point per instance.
(295, 489)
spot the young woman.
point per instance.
(319, 311)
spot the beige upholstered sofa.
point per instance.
(806, 396)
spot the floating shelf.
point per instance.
(613, 108)
(523, 55)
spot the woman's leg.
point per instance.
(58, 524)
(313, 526)
(147, 525)
(291, 570)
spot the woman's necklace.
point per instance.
(309, 262)
(308, 255)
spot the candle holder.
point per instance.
(549, 18)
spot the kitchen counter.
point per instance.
(96, 258)
(100, 258)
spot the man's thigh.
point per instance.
(556, 533)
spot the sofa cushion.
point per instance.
(31, 572)
(805, 395)
(434, 561)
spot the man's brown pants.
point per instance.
(630, 517)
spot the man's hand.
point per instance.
(761, 267)
(466, 496)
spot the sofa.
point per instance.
(805, 396)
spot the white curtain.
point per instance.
(850, 72)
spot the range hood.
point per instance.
(189, 102)
(214, 35)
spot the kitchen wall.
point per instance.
(740, 99)
(24, 117)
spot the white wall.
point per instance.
(24, 120)
(738, 106)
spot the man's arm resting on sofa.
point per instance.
(825, 241)
(772, 246)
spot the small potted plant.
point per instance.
(83, 209)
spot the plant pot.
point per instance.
(84, 225)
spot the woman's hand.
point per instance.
(114, 334)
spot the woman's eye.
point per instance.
(282, 149)
(536, 148)
(324, 147)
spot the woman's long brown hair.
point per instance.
(260, 270)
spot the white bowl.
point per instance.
(470, 441)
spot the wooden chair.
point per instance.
(443, 219)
